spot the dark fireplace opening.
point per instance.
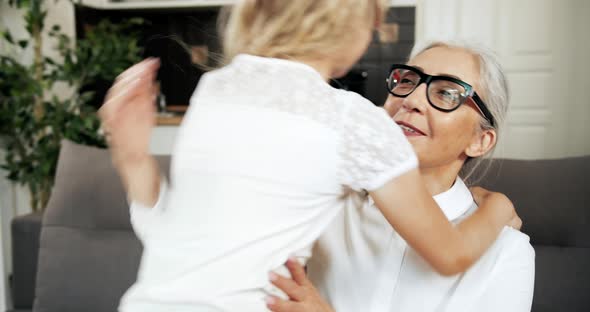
(185, 41)
(188, 45)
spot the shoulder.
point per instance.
(516, 245)
(368, 120)
(211, 83)
(375, 148)
(351, 97)
(356, 105)
(510, 243)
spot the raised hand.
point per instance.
(128, 116)
(481, 195)
(129, 112)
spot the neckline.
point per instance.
(456, 201)
(250, 58)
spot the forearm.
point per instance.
(141, 179)
(449, 249)
(128, 116)
(477, 233)
(470, 239)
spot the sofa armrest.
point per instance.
(26, 231)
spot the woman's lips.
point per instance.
(410, 130)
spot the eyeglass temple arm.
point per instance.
(483, 109)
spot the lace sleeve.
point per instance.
(375, 148)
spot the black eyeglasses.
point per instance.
(443, 92)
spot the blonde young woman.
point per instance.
(361, 264)
(267, 155)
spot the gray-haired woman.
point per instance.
(451, 100)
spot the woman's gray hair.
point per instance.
(493, 88)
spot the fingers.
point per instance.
(303, 296)
(276, 304)
(479, 193)
(140, 110)
(133, 83)
(516, 223)
(500, 203)
(136, 82)
(288, 286)
(123, 92)
(128, 89)
(297, 272)
(478, 190)
(149, 65)
(145, 71)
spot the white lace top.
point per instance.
(267, 155)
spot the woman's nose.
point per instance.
(417, 100)
(392, 105)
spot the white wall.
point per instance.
(543, 46)
(579, 118)
(6, 213)
(60, 12)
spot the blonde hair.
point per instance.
(292, 29)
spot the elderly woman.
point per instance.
(450, 100)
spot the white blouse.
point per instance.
(361, 264)
(267, 155)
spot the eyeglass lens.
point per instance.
(441, 93)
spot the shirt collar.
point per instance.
(456, 201)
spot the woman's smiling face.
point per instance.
(440, 138)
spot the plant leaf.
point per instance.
(23, 43)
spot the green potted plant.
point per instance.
(33, 118)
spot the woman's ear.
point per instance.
(483, 141)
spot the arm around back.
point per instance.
(410, 209)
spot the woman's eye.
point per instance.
(407, 83)
(449, 94)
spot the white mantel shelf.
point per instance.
(172, 4)
(153, 4)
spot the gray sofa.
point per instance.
(88, 254)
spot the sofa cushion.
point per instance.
(553, 199)
(551, 196)
(25, 251)
(88, 254)
(562, 280)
